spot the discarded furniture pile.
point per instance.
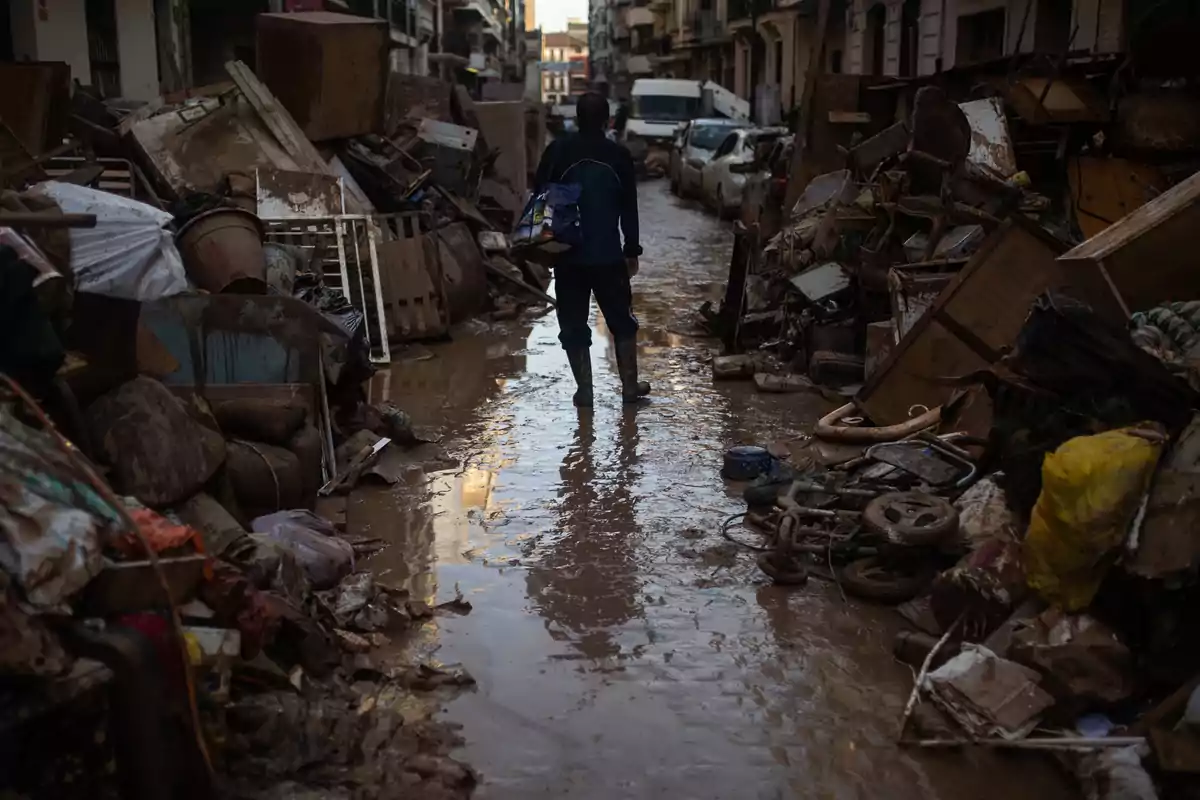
(192, 294)
(1013, 461)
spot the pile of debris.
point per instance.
(1018, 465)
(196, 585)
(193, 293)
(398, 190)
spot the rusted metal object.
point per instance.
(222, 251)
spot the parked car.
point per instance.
(696, 147)
(676, 162)
(724, 176)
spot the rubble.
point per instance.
(194, 292)
(1030, 363)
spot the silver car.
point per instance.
(696, 147)
(724, 176)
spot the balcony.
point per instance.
(480, 8)
(707, 27)
(745, 9)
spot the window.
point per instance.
(980, 37)
(731, 141)
(708, 137)
(665, 108)
(876, 23)
(910, 22)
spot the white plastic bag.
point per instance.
(313, 541)
(129, 254)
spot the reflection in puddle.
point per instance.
(622, 649)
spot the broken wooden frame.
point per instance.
(973, 322)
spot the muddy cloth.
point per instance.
(158, 452)
(609, 200)
(574, 286)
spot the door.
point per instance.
(713, 171)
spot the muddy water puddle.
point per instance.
(623, 648)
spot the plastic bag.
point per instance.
(347, 362)
(1091, 489)
(313, 541)
(129, 254)
(551, 219)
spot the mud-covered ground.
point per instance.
(622, 647)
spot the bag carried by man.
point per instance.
(551, 221)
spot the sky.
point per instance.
(552, 14)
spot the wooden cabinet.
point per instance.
(329, 70)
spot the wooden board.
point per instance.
(973, 322)
(194, 155)
(1103, 190)
(36, 103)
(503, 126)
(1148, 257)
(277, 119)
(412, 299)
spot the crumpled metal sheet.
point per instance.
(52, 523)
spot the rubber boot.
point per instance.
(580, 359)
(632, 390)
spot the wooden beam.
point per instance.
(277, 119)
(816, 59)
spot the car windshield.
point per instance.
(665, 108)
(709, 137)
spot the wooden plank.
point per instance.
(849, 117)
(413, 301)
(1104, 190)
(971, 324)
(36, 103)
(1148, 254)
(816, 58)
(277, 119)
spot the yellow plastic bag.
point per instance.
(1091, 489)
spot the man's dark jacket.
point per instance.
(608, 201)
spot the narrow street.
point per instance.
(622, 647)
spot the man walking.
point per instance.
(599, 265)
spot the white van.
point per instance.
(660, 105)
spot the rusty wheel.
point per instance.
(911, 519)
(785, 570)
(873, 578)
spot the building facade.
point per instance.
(142, 49)
(761, 49)
(564, 64)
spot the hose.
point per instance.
(828, 429)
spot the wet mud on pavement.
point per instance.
(622, 647)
